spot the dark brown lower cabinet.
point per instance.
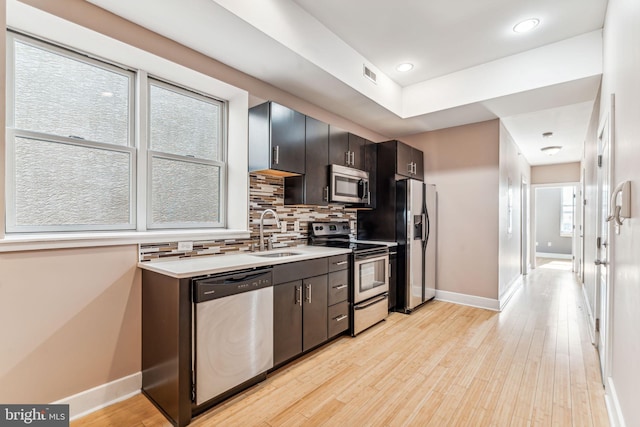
(299, 317)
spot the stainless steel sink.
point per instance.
(278, 254)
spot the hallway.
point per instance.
(444, 365)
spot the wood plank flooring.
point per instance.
(444, 365)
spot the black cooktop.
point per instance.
(336, 235)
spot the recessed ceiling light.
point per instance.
(526, 25)
(107, 94)
(404, 67)
(551, 150)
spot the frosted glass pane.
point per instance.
(58, 95)
(183, 125)
(184, 192)
(83, 186)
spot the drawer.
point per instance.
(283, 273)
(339, 262)
(338, 318)
(338, 286)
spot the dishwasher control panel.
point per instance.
(226, 284)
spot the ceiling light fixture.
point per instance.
(551, 150)
(526, 25)
(404, 67)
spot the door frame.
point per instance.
(525, 227)
(603, 300)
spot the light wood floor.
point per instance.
(444, 365)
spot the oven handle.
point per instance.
(360, 258)
(372, 302)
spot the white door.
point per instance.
(603, 248)
(524, 250)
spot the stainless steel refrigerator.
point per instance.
(406, 213)
(416, 237)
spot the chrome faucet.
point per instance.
(275, 215)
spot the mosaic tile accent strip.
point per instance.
(265, 192)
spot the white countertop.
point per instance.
(211, 264)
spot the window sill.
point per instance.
(31, 242)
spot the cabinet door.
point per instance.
(418, 160)
(404, 160)
(314, 311)
(287, 321)
(317, 155)
(287, 139)
(338, 146)
(357, 149)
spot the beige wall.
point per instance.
(70, 321)
(514, 169)
(555, 174)
(621, 77)
(463, 163)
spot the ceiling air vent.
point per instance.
(369, 74)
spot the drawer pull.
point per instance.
(340, 318)
(341, 263)
(339, 287)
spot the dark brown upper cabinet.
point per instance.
(313, 187)
(409, 160)
(276, 140)
(346, 149)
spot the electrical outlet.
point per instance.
(185, 246)
(283, 226)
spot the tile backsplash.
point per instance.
(264, 192)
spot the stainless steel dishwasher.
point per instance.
(232, 332)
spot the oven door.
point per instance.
(370, 275)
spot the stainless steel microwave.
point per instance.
(349, 185)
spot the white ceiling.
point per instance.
(469, 64)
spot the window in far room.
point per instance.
(567, 211)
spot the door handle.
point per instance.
(598, 262)
(299, 295)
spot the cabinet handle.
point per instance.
(276, 154)
(326, 194)
(415, 168)
(299, 295)
(347, 156)
(340, 318)
(309, 293)
(341, 262)
(353, 158)
(339, 287)
(409, 167)
(389, 270)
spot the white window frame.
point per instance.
(221, 162)
(12, 132)
(169, 65)
(573, 213)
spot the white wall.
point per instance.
(513, 170)
(622, 77)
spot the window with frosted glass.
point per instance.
(187, 169)
(70, 155)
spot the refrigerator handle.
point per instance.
(425, 235)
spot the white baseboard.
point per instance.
(103, 395)
(470, 300)
(552, 255)
(613, 405)
(514, 287)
